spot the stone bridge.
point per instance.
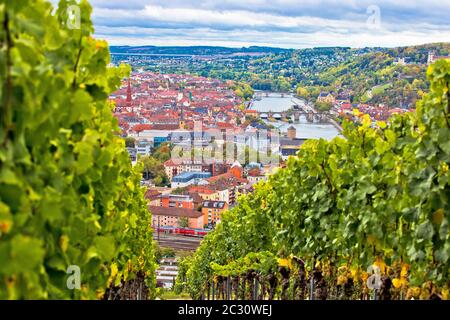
(259, 95)
(320, 117)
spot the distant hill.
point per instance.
(393, 76)
(195, 50)
(376, 77)
(419, 53)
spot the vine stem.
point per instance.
(446, 114)
(77, 62)
(333, 190)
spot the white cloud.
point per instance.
(239, 38)
(284, 23)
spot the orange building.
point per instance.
(177, 201)
(171, 217)
(236, 170)
(212, 211)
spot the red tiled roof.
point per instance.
(224, 125)
(225, 180)
(142, 127)
(152, 194)
(174, 212)
(346, 106)
(169, 163)
(201, 189)
(254, 173)
(158, 126)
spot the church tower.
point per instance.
(182, 123)
(431, 57)
(129, 100)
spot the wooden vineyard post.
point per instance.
(256, 287)
(209, 291)
(139, 297)
(243, 288)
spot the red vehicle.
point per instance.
(183, 231)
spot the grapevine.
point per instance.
(377, 199)
(68, 193)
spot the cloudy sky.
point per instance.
(280, 23)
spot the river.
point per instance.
(306, 130)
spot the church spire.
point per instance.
(129, 94)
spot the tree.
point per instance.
(283, 84)
(178, 190)
(183, 222)
(242, 90)
(302, 92)
(130, 142)
(153, 169)
(324, 106)
(163, 152)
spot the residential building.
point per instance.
(289, 147)
(174, 168)
(177, 201)
(291, 132)
(326, 97)
(172, 217)
(153, 196)
(143, 148)
(187, 178)
(254, 176)
(212, 211)
(432, 57)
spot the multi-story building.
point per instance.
(187, 178)
(153, 196)
(326, 97)
(133, 154)
(173, 217)
(432, 57)
(143, 148)
(174, 168)
(255, 176)
(212, 211)
(177, 201)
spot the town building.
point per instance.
(212, 211)
(433, 57)
(153, 196)
(289, 147)
(177, 201)
(187, 178)
(143, 147)
(255, 175)
(291, 132)
(173, 217)
(174, 167)
(326, 97)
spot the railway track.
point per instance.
(178, 242)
